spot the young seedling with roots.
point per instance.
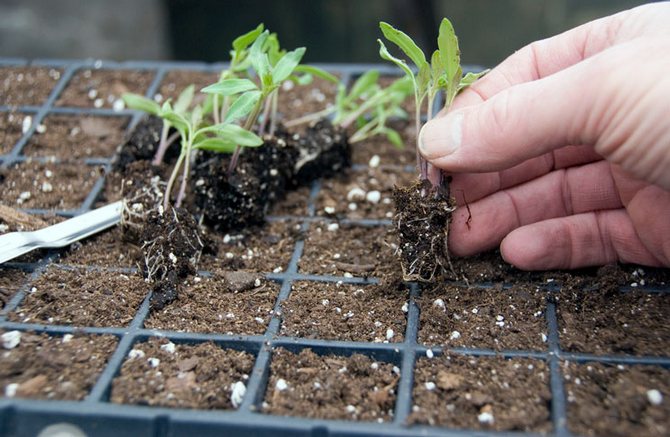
(443, 72)
(423, 210)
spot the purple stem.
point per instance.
(162, 148)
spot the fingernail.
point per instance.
(442, 136)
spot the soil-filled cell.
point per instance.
(176, 81)
(330, 386)
(28, 86)
(617, 400)
(11, 280)
(103, 88)
(12, 125)
(107, 249)
(297, 101)
(158, 372)
(40, 366)
(387, 154)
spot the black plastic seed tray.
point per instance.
(97, 416)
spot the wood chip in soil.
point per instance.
(617, 400)
(489, 318)
(296, 101)
(361, 194)
(53, 367)
(614, 322)
(28, 86)
(11, 280)
(50, 185)
(11, 129)
(82, 298)
(259, 249)
(176, 81)
(330, 386)
(209, 305)
(204, 376)
(332, 311)
(103, 88)
(482, 393)
(107, 249)
(343, 250)
(70, 137)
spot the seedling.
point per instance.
(444, 72)
(224, 137)
(368, 105)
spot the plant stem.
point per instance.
(215, 109)
(266, 114)
(273, 114)
(247, 125)
(310, 117)
(173, 176)
(184, 179)
(163, 146)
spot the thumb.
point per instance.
(583, 104)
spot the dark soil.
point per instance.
(209, 305)
(172, 245)
(11, 280)
(188, 376)
(46, 185)
(141, 144)
(175, 81)
(482, 393)
(267, 248)
(102, 88)
(361, 194)
(330, 387)
(69, 137)
(11, 130)
(336, 311)
(27, 85)
(295, 101)
(44, 367)
(613, 322)
(491, 318)
(340, 249)
(608, 400)
(324, 152)
(422, 226)
(82, 298)
(107, 249)
(293, 204)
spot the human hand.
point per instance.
(562, 152)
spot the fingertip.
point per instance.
(527, 250)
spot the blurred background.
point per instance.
(332, 30)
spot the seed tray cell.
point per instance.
(410, 352)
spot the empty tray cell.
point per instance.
(50, 185)
(176, 81)
(482, 393)
(82, 298)
(40, 366)
(259, 249)
(103, 88)
(12, 125)
(337, 311)
(107, 249)
(300, 100)
(10, 282)
(27, 86)
(346, 250)
(608, 399)
(306, 384)
(158, 372)
(492, 318)
(612, 322)
(71, 137)
(361, 194)
(228, 303)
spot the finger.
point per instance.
(582, 240)
(470, 187)
(649, 210)
(557, 194)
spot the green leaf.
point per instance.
(450, 55)
(286, 65)
(238, 135)
(303, 79)
(196, 116)
(177, 120)
(257, 56)
(405, 43)
(316, 71)
(242, 42)
(384, 53)
(184, 100)
(242, 106)
(394, 137)
(141, 103)
(273, 49)
(470, 78)
(229, 87)
(216, 145)
(363, 84)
